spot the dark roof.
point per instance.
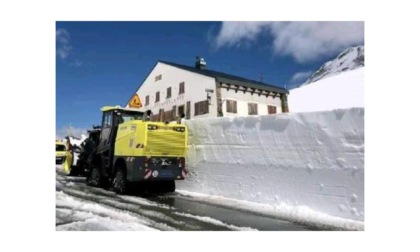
(230, 79)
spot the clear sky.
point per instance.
(103, 63)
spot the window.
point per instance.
(168, 92)
(181, 87)
(231, 106)
(201, 107)
(107, 120)
(158, 77)
(147, 100)
(60, 147)
(157, 97)
(272, 109)
(252, 109)
(125, 116)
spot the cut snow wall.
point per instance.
(342, 91)
(305, 159)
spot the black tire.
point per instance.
(120, 183)
(73, 172)
(94, 177)
(76, 171)
(88, 177)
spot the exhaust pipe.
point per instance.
(146, 116)
(180, 118)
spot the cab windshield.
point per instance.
(129, 116)
(60, 147)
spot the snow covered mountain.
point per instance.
(350, 59)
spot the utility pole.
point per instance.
(261, 77)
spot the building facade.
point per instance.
(171, 90)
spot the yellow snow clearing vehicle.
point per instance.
(129, 148)
(63, 156)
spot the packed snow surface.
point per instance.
(74, 214)
(345, 90)
(311, 161)
(81, 207)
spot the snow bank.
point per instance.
(345, 90)
(298, 214)
(77, 141)
(304, 160)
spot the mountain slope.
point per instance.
(350, 59)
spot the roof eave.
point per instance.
(252, 85)
(249, 84)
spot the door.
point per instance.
(181, 110)
(106, 131)
(188, 114)
(173, 114)
(161, 111)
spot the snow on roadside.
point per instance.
(313, 160)
(299, 214)
(74, 214)
(215, 222)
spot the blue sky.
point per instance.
(103, 63)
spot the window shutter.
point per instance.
(181, 87)
(196, 108)
(157, 96)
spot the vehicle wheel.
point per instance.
(89, 177)
(94, 177)
(73, 171)
(76, 171)
(120, 182)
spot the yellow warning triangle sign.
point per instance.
(135, 102)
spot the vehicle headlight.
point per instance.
(179, 129)
(152, 127)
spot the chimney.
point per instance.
(200, 63)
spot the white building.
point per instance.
(171, 90)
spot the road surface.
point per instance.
(81, 207)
